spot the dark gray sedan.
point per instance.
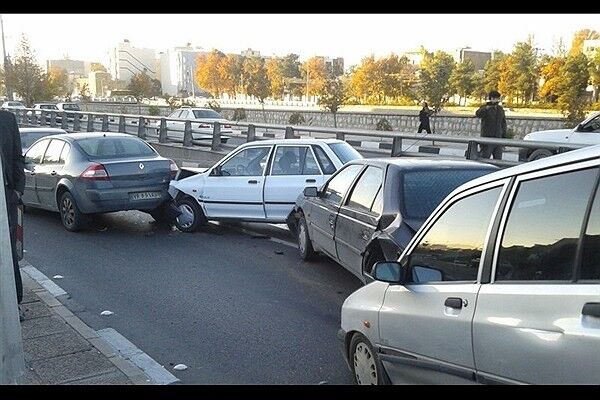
(81, 174)
(370, 209)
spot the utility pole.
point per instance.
(6, 64)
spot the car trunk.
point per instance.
(136, 172)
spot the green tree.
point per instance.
(579, 37)
(230, 72)
(257, 82)
(571, 88)
(276, 78)
(141, 85)
(492, 71)
(523, 72)
(97, 67)
(550, 69)
(461, 80)
(595, 73)
(315, 74)
(395, 76)
(84, 92)
(58, 83)
(364, 80)
(333, 96)
(26, 76)
(435, 75)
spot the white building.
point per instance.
(164, 74)
(250, 53)
(127, 60)
(183, 67)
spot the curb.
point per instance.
(134, 373)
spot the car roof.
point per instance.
(71, 137)
(291, 142)
(407, 163)
(570, 157)
(56, 131)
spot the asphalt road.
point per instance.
(236, 307)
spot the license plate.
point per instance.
(145, 195)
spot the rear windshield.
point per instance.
(115, 147)
(28, 138)
(15, 104)
(425, 190)
(71, 107)
(345, 152)
(209, 114)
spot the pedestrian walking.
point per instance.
(14, 184)
(424, 115)
(493, 124)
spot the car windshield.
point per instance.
(28, 138)
(115, 147)
(423, 191)
(345, 152)
(15, 104)
(208, 114)
(71, 107)
(48, 107)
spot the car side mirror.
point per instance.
(216, 171)
(579, 128)
(311, 191)
(389, 271)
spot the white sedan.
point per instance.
(258, 181)
(202, 120)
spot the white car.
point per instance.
(43, 106)
(68, 107)
(258, 181)
(202, 120)
(12, 104)
(587, 132)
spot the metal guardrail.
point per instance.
(391, 143)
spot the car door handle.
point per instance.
(311, 181)
(454, 302)
(591, 310)
(331, 221)
(253, 181)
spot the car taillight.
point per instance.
(204, 126)
(95, 172)
(174, 169)
(227, 126)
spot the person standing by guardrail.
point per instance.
(14, 183)
(424, 115)
(493, 124)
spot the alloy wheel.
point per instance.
(365, 369)
(186, 218)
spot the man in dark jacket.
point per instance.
(493, 125)
(424, 115)
(14, 182)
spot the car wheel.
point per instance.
(305, 247)
(539, 153)
(366, 367)
(191, 216)
(72, 218)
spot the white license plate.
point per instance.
(145, 195)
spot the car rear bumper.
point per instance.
(111, 200)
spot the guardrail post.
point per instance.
(289, 132)
(64, 123)
(105, 123)
(397, 147)
(216, 139)
(142, 128)
(18, 116)
(53, 119)
(76, 122)
(122, 123)
(251, 133)
(340, 136)
(42, 118)
(162, 131)
(90, 123)
(187, 134)
(34, 119)
(472, 152)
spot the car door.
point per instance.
(33, 161)
(538, 321)
(425, 325)
(175, 128)
(50, 172)
(322, 216)
(589, 133)
(293, 168)
(357, 220)
(234, 188)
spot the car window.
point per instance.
(294, 160)
(326, 164)
(366, 188)
(36, 152)
(590, 260)
(184, 114)
(451, 249)
(248, 162)
(71, 107)
(592, 125)
(208, 114)
(28, 138)
(175, 114)
(115, 147)
(423, 191)
(65, 153)
(340, 183)
(345, 152)
(53, 152)
(543, 227)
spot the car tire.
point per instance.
(191, 216)
(364, 363)
(539, 153)
(305, 247)
(160, 215)
(72, 218)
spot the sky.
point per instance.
(90, 37)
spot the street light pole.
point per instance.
(6, 65)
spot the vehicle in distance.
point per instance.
(82, 174)
(12, 104)
(43, 106)
(202, 121)
(586, 133)
(369, 210)
(501, 284)
(258, 181)
(31, 135)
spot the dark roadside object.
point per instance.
(172, 211)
